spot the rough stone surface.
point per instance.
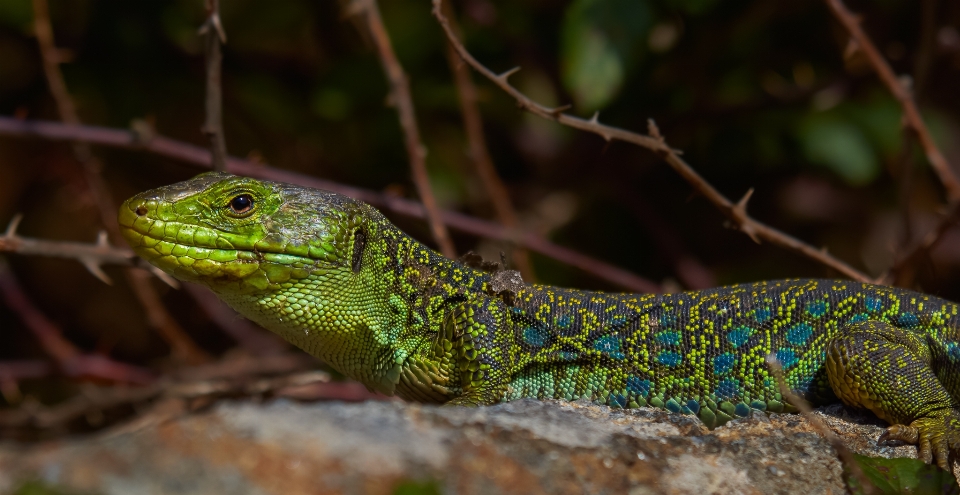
(526, 447)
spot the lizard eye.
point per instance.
(241, 204)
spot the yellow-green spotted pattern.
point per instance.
(334, 277)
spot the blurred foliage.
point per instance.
(903, 476)
(757, 94)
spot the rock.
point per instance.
(526, 446)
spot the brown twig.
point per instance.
(201, 157)
(736, 212)
(922, 245)
(285, 375)
(91, 256)
(401, 99)
(911, 113)
(846, 457)
(478, 151)
(213, 34)
(69, 359)
(176, 337)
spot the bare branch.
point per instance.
(479, 154)
(911, 113)
(196, 155)
(91, 166)
(70, 360)
(657, 144)
(213, 34)
(400, 97)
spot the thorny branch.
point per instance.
(478, 151)
(70, 360)
(400, 97)
(913, 122)
(213, 34)
(901, 92)
(736, 212)
(286, 375)
(157, 314)
(196, 155)
(94, 256)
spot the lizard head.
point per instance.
(239, 235)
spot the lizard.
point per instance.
(334, 277)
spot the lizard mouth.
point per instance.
(202, 254)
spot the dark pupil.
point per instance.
(241, 203)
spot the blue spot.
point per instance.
(953, 351)
(758, 404)
(668, 320)
(799, 334)
(617, 400)
(873, 304)
(908, 320)
(609, 345)
(534, 336)
(638, 386)
(517, 311)
(724, 363)
(816, 309)
(669, 337)
(672, 406)
(762, 315)
(693, 406)
(857, 318)
(739, 336)
(742, 410)
(786, 357)
(562, 321)
(669, 358)
(728, 389)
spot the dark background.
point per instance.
(756, 93)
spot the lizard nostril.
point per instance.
(141, 210)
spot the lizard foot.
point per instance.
(936, 437)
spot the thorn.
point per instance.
(596, 118)
(559, 110)
(219, 27)
(742, 204)
(102, 239)
(164, 277)
(740, 211)
(94, 268)
(851, 49)
(653, 130)
(13, 225)
(508, 73)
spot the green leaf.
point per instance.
(904, 476)
(839, 145)
(600, 41)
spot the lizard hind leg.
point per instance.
(888, 370)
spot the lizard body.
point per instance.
(334, 277)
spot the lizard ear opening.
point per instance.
(359, 242)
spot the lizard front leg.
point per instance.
(888, 370)
(484, 347)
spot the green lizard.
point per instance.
(334, 277)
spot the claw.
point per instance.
(902, 433)
(926, 452)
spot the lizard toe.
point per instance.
(901, 433)
(939, 437)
